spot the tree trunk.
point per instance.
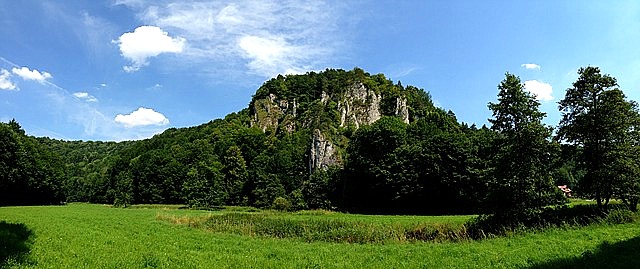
(633, 204)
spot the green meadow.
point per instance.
(97, 236)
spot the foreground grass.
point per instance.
(95, 236)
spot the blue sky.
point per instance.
(128, 69)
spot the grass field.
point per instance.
(96, 236)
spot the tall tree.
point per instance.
(29, 173)
(235, 175)
(597, 118)
(521, 175)
(202, 189)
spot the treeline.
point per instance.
(30, 173)
(432, 165)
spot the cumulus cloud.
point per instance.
(266, 37)
(142, 117)
(531, 66)
(146, 42)
(27, 74)
(541, 90)
(5, 81)
(85, 96)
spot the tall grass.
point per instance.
(316, 226)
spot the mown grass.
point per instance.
(95, 236)
(15, 242)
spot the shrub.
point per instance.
(281, 204)
(619, 216)
(579, 215)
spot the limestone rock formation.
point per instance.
(323, 154)
(402, 110)
(268, 111)
(356, 106)
(359, 106)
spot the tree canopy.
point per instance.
(386, 149)
(597, 118)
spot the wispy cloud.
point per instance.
(397, 71)
(146, 42)
(265, 37)
(531, 66)
(5, 80)
(541, 90)
(85, 96)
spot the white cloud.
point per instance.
(267, 37)
(268, 55)
(27, 74)
(531, 66)
(142, 117)
(541, 90)
(5, 82)
(131, 3)
(81, 94)
(146, 42)
(85, 96)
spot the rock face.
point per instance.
(359, 106)
(402, 110)
(267, 113)
(356, 105)
(323, 154)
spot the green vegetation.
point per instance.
(15, 242)
(326, 226)
(523, 153)
(29, 172)
(603, 125)
(336, 141)
(97, 236)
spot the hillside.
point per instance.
(336, 139)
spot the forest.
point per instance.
(354, 142)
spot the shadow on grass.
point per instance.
(624, 254)
(15, 242)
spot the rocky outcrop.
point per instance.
(402, 110)
(323, 154)
(267, 113)
(359, 106)
(324, 98)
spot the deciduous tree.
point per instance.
(597, 118)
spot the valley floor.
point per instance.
(97, 236)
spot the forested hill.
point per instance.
(337, 139)
(291, 142)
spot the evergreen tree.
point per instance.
(521, 174)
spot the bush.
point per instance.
(619, 216)
(281, 204)
(579, 215)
